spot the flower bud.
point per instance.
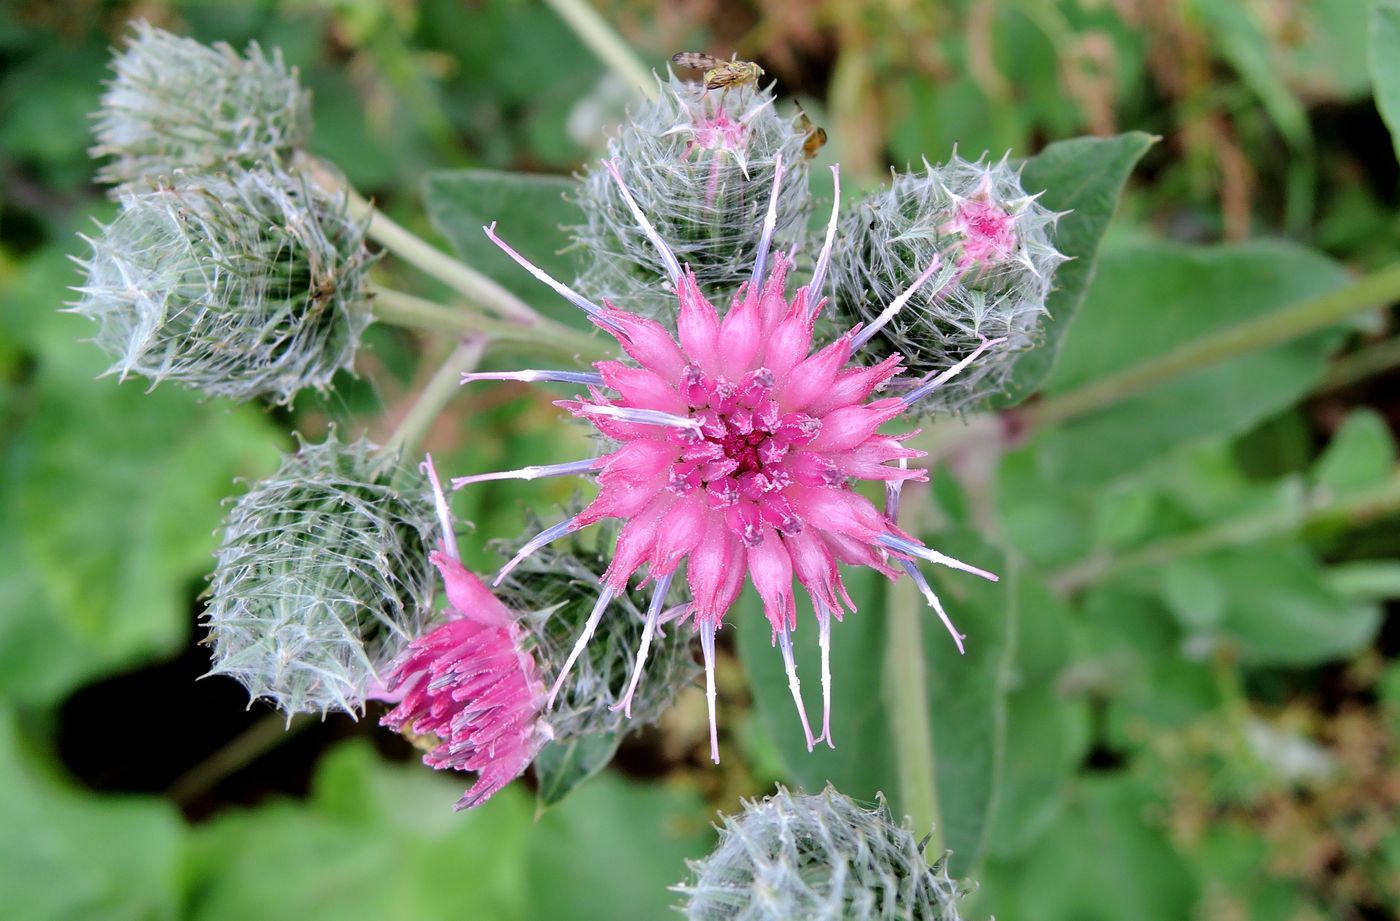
(995, 265)
(700, 166)
(822, 857)
(246, 284)
(177, 104)
(322, 578)
(555, 590)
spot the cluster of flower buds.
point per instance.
(977, 248)
(177, 104)
(226, 270)
(502, 675)
(700, 165)
(822, 857)
(250, 283)
(322, 578)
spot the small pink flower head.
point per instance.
(988, 232)
(738, 445)
(469, 685)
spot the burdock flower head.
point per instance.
(246, 284)
(701, 165)
(737, 448)
(988, 246)
(821, 857)
(176, 104)
(322, 578)
(473, 688)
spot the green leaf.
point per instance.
(611, 851)
(560, 767)
(374, 841)
(1360, 455)
(1084, 176)
(71, 855)
(910, 717)
(1385, 63)
(530, 211)
(1150, 298)
(1106, 860)
(111, 497)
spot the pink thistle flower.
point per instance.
(989, 233)
(469, 684)
(737, 448)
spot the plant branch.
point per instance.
(1313, 507)
(409, 433)
(602, 39)
(546, 337)
(1262, 332)
(1365, 362)
(248, 746)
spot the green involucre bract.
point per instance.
(554, 591)
(700, 166)
(245, 284)
(177, 104)
(887, 239)
(322, 578)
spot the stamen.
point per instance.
(910, 548)
(927, 591)
(605, 596)
(668, 258)
(707, 651)
(888, 314)
(658, 598)
(569, 294)
(533, 375)
(814, 287)
(530, 473)
(640, 416)
(824, 641)
(923, 390)
(795, 686)
(770, 222)
(568, 526)
(449, 536)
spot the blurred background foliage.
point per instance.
(1186, 702)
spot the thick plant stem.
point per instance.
(906, 696)
(546, 337)
(600, 37)
(1262, 332)
(409, 433)
(1315, 506)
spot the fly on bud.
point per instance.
(322, 579)
(993, 265)
(245, 284)
(822, 857)
(174, 103)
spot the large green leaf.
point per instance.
(530, 212)
(110, 496)
(71, 856)
(1085, 177)
(1385, 63)
(949, 761)
(375, 841)
(1150, 298)
(611, 851)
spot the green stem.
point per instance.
(1262, 332)
(248, 746)
(600, 38)
(546, 337)
(477, 288)
(1313, 507)
(906, 695)
(408, 435)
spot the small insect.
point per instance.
(816, 134)
(719, 75)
